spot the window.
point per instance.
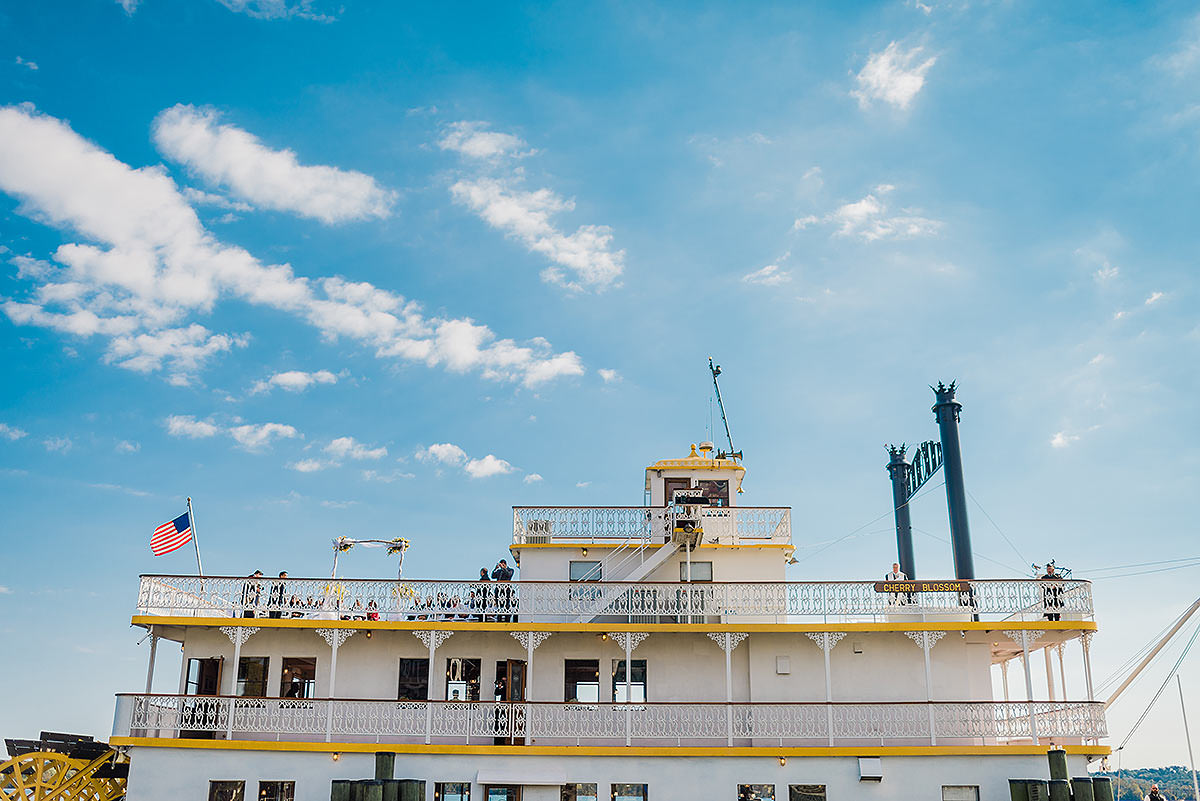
(717, 494)
(582, 680)
(203, 677)
(756, 792)
(414, 680)
(960, 792)
(462, 679)
(276, 791)
(701, 571)
(452, 791)
(585, 571)
(252, 677)
(629, 792)
(226, 791)
(580, 792)
(299, 677)
(806, 792)
(637, 681)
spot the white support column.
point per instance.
(728, 641)
(150, 663)
(431, 638)
(1004, 675)
(827, 640)
(1049, 673)
(237, 635)
(531, 640)
(1062, 671)
(927, 639)
(1085, 642)
(1025, 637)
(628, 640)
(334, 639)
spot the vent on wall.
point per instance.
(870, 769)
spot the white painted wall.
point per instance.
(183, 774)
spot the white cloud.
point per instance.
(338, 504)
(308, 465)
(386, 478)
(803, 222)
(525, 216)
(58, 444)
(293, 381)
(276, 9)
(473, 139)
(609, 376)
(184, 425)
(5, 590)
(1062, 439)
(118, 488)
(29, 65)
(770, 275)
(446, 453)
(580, 260)
(129, 5)
(532, 478)
(1155, 297)
(893, 76)
(227, 156)
(1185, 59)
(12, 433)
(155, 264)
(1105, 273)
(487, 466)
(257, 437)
(198, 197)
(125, 446)
(583, 484)
(349, 448)
(871, 219)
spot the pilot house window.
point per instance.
(582, 679)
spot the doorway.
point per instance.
(203, 678)
(502, 792)
(509, 695)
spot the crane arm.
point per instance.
(1184, 618)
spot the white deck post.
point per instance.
(1028, 686)
(531, 640)
(1049, 673)
(927, 639)
(826, 640)
(1085, 642)
(334, 639)
(728, 641)
(150, 664)
(628, 672)
(1062, 671)
(1004, 675)
(431, 639)
(237, 635)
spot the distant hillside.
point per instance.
(1174, 781)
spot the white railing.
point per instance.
(680, 724)
(722, 524)
(551, 601)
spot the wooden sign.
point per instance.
(922, 586)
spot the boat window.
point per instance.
(585, 571)
(452, 791)
(462, 679)
(580, 792)
(414, 680)
(582, 680)
(960, 792)
(756, 792)
(637, 681)
(203, 677)
(806, 792)
(629, 792)
(299, 677)
(701, 571)
(226, 791)
(252, 677)
(716, 492)
(276, 791)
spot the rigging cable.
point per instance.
(998, 529)
(1118, 672)
(1166, 681)
(975, 552)
(869, 522)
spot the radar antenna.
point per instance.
(715, 369)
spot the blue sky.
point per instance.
(270, 255)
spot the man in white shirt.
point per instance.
(896, 575)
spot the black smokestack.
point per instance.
(946, 411)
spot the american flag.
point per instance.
(172, 536)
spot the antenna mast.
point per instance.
(715, 369)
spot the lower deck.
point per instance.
(193, 770)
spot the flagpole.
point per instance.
(195, 540)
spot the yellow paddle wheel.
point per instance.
(62, 767)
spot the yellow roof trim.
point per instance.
(575, 750)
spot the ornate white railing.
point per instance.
(550, 601)
(722, 524)
(683, 724)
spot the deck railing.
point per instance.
(547, 723)
(551, 601)
(730, 525)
